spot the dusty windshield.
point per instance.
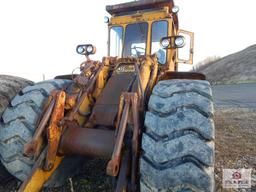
(135, 39)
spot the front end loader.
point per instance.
(152, 123)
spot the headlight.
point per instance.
(165, 43)
(89, 49)
(106, 19)
(80, 49)
(175, 9)
(179, 41)
(172, 42)
(86, 49)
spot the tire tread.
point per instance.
(178, 142)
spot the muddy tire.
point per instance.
(17, 128)
(178, 141)
(9, 87)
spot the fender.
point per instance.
(182, 75)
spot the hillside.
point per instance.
(239, 67)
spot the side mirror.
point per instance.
(86, 49)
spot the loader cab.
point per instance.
(133, 40)
(137, 28)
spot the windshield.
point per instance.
(159, 30)
(116, 41)
(135, 39)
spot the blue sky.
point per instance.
(39, 36)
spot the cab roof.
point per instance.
(138, 5)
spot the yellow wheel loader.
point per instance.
(152, 123)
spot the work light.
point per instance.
(165, 43)
(172, 42)
(86, 49)
(175, 9)
(80, 49)
(106, 19)
(89, 49)
(179, 41)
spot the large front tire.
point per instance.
(17, 128)
(178, 141)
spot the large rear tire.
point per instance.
(178, 141)
(9, 87)
(17, 127)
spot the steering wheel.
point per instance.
(138, 52)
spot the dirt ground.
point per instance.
(235, 143)
(235, 148)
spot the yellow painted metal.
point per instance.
(171, 53)
(85, 108)
(145, 71)
(148, 48)
(102, 78)
(141, 17)
(150, 17)
(154, 74)
(39, 177)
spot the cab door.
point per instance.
(185, 54)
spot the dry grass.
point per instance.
(235, 142)
(239, 67)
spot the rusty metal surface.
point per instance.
(113, 167)
(139, 80)
(135, 142)
(124, 173)
(54, 130)
(71, 101)
(138, 5)
(104, 115)
(114, 164)
(106, 107)
(83, 104)
(69, 76)
(182, 75)
(33, 147)
(88, 142)
(120, 111)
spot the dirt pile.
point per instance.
(239, 67)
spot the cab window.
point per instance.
(159, 30)
(135, 39)
(116, 41)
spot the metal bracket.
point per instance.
(54, 130)
(128, 101)
(48, 161)
(33, 148)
